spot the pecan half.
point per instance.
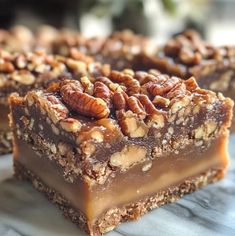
(119, 100)
(102, 91)
(72, 94)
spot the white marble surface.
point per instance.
(210, 211)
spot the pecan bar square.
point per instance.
(134, 142)
(118, 49)
(188, 55)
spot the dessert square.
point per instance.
(188, 55)
(134, 142)
(118, 49)
(22, 72)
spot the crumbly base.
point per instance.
(132, 211)
(5, 142)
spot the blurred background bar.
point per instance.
(215, 19)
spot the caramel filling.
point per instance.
(138, 182)
(4, 123)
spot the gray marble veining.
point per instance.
(209, 211)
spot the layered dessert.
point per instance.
(189, 55)
(22, 72)
(133, 142)
(17, 38)
(117, 49)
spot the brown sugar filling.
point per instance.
(130, 186)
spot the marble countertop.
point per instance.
(209, 211)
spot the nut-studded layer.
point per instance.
(23, 71)
(148, 114)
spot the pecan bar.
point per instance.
(21, 72)
(119, 49)
(134, 142)
(188, 55)
(22, 39)
(18, 38)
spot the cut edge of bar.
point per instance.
(129, 212)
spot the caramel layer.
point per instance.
(165, 172)
(4, 123)
(129, 186)
(51, 175)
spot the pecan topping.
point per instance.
(189, 49)
(135, 113)
(139, 101)
(39, 69)
(85, 104)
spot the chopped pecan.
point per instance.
(56, 110)
(77, 66)
(178, 91)
(70, 125)
(50, 104)
(128, 72)
(187, 56)
(87, 85)
(77, 55)
(162, 88)
(161, 102)
(191, 84)
(128, 156)
(6, 67)
(131, 125)
(136, 107)
(172, 48)
(113, 86)
(154, 116)
(23, 77)
(83, 103)
(132, 85)
(144, 77)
